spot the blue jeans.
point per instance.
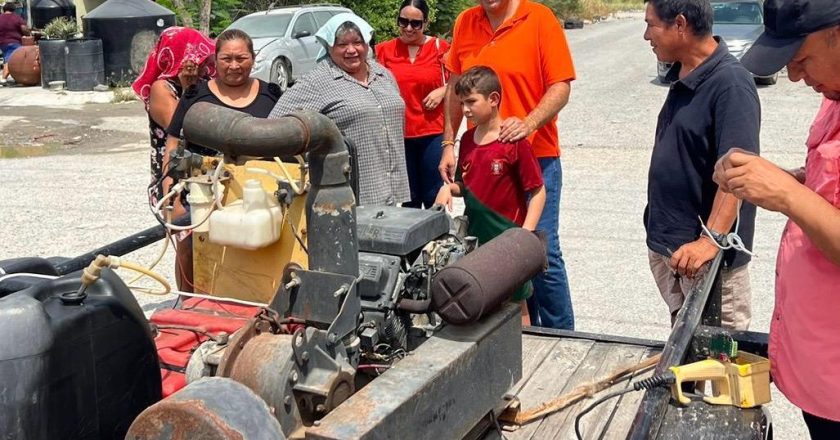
(7, 51)
(422, 157)
(551, 304)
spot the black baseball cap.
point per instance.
(786, 24)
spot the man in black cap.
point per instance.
(805, 328)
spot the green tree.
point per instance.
(382, 15)
(213, 16)
(208, 16)
(446, 12)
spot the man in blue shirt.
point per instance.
(712, 106)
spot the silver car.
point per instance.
(739, 23)
(284, 40)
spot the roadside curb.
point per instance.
(37, 96)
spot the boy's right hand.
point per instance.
(444, 197)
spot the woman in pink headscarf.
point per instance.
(181, 57)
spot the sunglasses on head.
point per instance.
(404, 23)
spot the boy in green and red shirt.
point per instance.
(496, 179)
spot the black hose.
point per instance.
(416, 306)
(595, 404)
(120, 247)
(664, 379)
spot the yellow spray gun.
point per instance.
(738, 378)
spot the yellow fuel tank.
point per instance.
(251, 275)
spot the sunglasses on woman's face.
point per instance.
(404, 23)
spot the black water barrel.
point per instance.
(44, 11)
(70, 370)
(129, 30)
(83, 64)
(52, 61)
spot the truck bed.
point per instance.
(555, 362)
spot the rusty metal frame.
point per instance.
(442, 390)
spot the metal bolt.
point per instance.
(317, 423)
(331, 338)
(320, 408)
(293, 377)
(294, 282)
(341, 290)
(287, 400)
(305, 356)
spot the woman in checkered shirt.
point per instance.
(363, 100)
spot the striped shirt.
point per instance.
(370, 116)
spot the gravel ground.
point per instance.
(78, 195)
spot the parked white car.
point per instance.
(284, 40)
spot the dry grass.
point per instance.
(123, 94)
(595, 9)
(592, 9)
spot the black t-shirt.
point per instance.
(260, 107)
(710, 111)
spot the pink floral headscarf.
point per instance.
(176, 45)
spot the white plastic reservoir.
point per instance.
(251, 223)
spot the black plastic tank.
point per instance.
(83, 64)
(44, 11)
(52, 61)
(26, 272)
(129, 30)
(68, 370)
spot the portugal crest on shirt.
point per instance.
(497, 167)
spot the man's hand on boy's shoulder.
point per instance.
(515, 129)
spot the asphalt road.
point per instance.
(72, 202)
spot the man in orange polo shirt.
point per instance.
(524, 44)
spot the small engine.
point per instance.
(401, 251)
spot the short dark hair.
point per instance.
(698, 14)
(419, 4)
(9, 7)
(233, 35)
(479, 79)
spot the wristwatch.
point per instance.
(717, 236)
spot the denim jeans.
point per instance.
(7, 51)
(422, 157)
(551, 304)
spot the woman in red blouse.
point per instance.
(416, 60)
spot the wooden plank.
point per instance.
(550, 379)
(534, 351)
(625, 411)
(600, 361)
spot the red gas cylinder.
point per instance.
(25, 66)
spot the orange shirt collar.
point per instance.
(522, 11)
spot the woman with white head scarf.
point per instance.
(363, 100)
